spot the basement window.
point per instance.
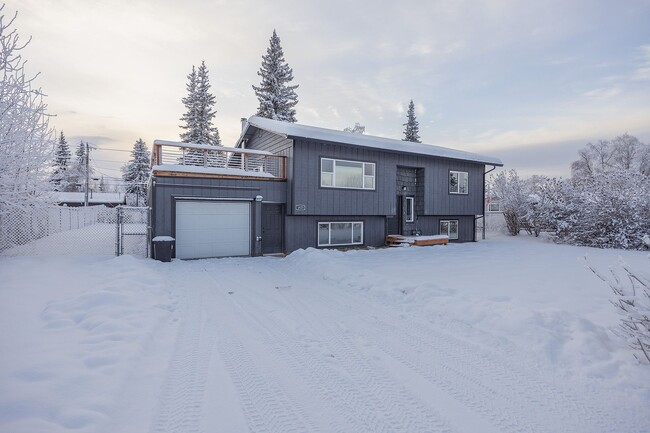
(449, 228)
(340, 233)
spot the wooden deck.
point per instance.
(420, 241)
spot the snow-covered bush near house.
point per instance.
(506, 335)
(608, 210)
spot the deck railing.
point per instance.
(226, 161)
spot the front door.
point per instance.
(272, 219)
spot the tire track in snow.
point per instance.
(386, 407)
(266, 404)
(473, 375)
(180, 406)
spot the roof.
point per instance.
(93, 197)
(295, 130)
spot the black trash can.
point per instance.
(163, 246)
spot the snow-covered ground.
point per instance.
(505, 335)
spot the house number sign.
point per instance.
(301, 207)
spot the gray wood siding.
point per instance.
(430, 225)
(310, 199)
(302, 231)
(445, 203)
(166, 189)
(278, 145)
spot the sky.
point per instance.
(530, 81)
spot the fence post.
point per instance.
(118, 226)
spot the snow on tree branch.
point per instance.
(26, 139)
(277, 98)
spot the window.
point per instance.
(449, 228)
(410, 209)
(494, 206)
(338, 173)
(340, 233)
(458, 182)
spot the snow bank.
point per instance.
(123, 344)
(80, 330)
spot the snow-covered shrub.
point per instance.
(632, 292)
(533, 205)
(607, 210)
(510, 190)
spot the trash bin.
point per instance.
(163, 247)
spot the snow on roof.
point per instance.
(208, 147)
(210, 170)
(93, 197)
(287, 130)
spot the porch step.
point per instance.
(420, 241)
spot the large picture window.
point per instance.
(339, 173)
(458, 182)
(449, 228)
(340, 233)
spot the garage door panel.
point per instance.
(212, 229)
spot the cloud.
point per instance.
(603, 92)
(642, 72)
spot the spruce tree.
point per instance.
(411, 132)
(277, 98)
(78, 168)
(135, 173)
(199, 104)
(61, 174)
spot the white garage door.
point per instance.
(212, 229)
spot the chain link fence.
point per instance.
(59, 230)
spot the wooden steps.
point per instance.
(420, 241)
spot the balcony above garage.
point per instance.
(171, 158)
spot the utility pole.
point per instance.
(87, 176)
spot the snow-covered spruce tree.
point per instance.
(198, 118)
(277, 98)
(632, 290)
(77, 170)
(135, 173)
(102, 185)
(26, 141)
(61, 175)
(199, 114)
(356, 129)
(412, 127)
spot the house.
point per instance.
(287, 186)
(74, 199)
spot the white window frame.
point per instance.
(494, 203)
(329, 223)
(459, 173)
(410, 206)
(363, 174)
(449, 221)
